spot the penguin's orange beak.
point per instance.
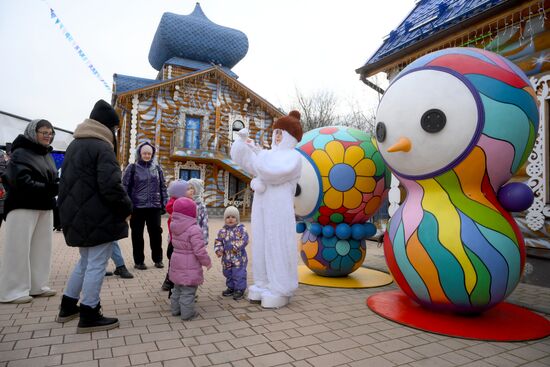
(402, 145)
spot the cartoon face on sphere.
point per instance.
(454, 126)
(343, 183)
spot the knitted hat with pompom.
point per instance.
(290, 124)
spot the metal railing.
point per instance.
(196, 139)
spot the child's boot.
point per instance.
(228, 292)
(238, 294)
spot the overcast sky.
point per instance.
(311, 45)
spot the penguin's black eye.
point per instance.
(380, 132)
(433, 121)
(298, 190)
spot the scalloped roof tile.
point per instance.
(428, 18)
(196, 37)
(198, 65)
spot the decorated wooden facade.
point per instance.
(516, 29)
(192, 110)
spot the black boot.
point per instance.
(122, 272)
(238, 294)
(91, 320)
(228, 292)
(68, 309)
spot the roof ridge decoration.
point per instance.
(196, 37)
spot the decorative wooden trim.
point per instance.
(451, 40)
(133, 129)
(394, 195)
(215, 71)
(539, 164)
(190, 165)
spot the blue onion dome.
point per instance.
(195, 37)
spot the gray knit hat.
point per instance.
(231, 210)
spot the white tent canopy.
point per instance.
(13, 125)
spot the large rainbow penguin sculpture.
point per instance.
(454, 127)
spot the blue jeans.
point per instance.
(88, 274)
(117, 255)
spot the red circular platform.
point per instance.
(504, 322)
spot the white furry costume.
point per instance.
(274, 247)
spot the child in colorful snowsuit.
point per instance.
(230, 245)
(176, 189)
(196, 186)
(188, 258)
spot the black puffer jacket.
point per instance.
(30, 178)
(93, 205)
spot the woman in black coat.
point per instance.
(31, 184)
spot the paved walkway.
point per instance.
(321, 327)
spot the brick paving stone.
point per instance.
(38, 361)
(200, 361)
(132, 339)
(268, 360)
(122, 361)
(157, 336)
(168, 354)
(321, 326)
(229, 355)
(328, 360)
(528, 353)
(83, 364)
(356, 354)
(432, 361)
(103, 353)
(169, 344)
(456, 358)
(29, 343)
(339, 345)
(136, 348)
(432, 349)
(301, 341)
(39, 351)
(78, 357)
(279, 345)
(260, 349)
(300, 353)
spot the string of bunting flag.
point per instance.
(69, 37)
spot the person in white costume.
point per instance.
(276, 173)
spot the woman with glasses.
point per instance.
(31, 184)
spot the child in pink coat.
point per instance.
(176, 189)
(188, 258)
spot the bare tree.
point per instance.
(359, 118)
(320, 109)
(317, 109)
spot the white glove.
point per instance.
(257, 185)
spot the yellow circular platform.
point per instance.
(360, 278)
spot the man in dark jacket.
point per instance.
(93, 207)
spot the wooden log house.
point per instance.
(192, 110)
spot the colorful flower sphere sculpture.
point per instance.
(344, 181)
(454, 126)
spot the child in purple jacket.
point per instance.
(230, 245)
(188, 258)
